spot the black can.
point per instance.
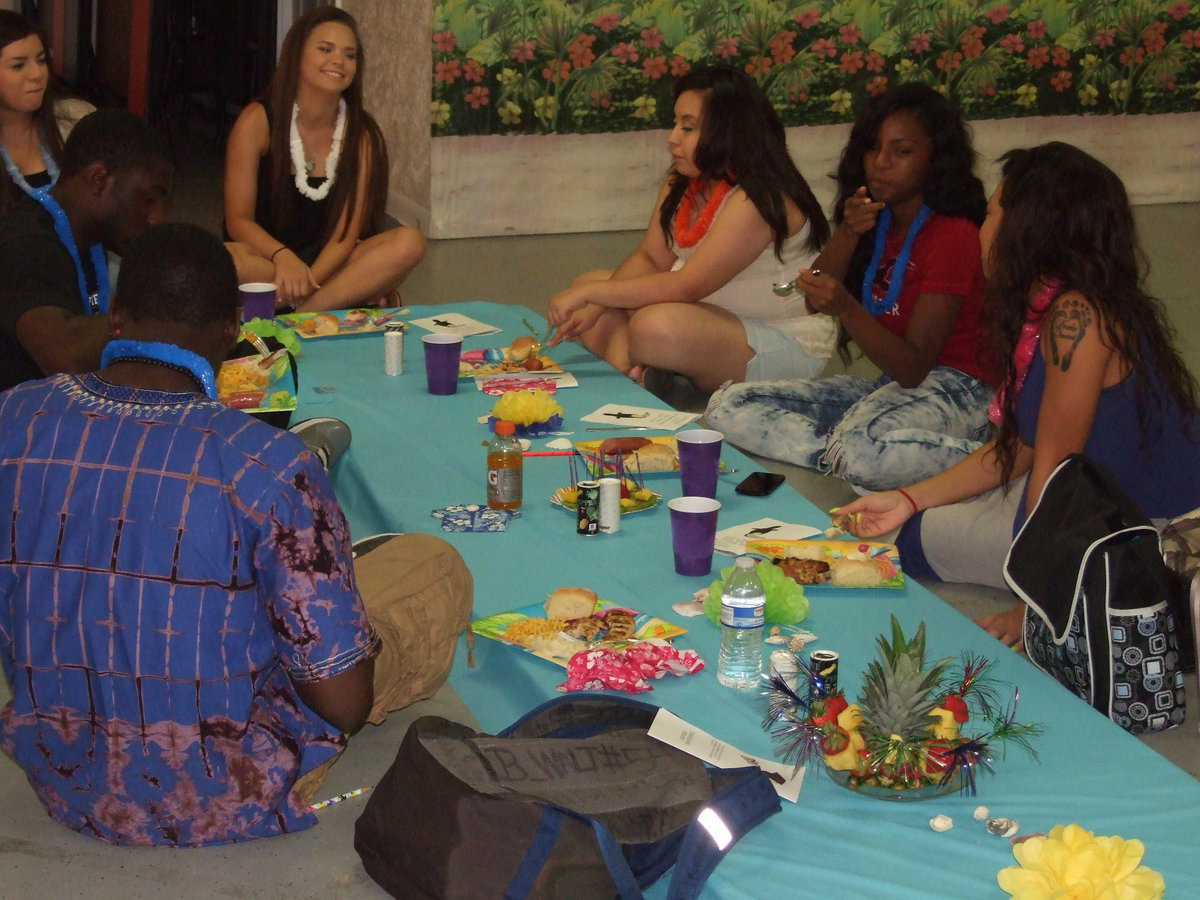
(824, 666)
(588, 510)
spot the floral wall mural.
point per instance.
(586, 66)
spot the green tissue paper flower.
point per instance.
(786, 603)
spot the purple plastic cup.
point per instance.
(442, 352)
(693, 533)
(699, 460)
(258, 300)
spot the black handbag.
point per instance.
(1103, 614)
(575, 800)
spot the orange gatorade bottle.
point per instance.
(504, 468)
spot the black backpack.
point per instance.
(574, 800)
(1105, 616)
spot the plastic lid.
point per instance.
(745, 562)
(503, 426)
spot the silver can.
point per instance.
(610, 505)
(393, 348)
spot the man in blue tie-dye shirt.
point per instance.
(178, 612)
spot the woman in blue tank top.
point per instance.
(1088, 365)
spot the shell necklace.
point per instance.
(303, 167)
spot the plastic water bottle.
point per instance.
(743, 600)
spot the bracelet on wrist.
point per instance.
(278, 250)
(907, 496)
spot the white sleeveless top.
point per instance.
(749, 294)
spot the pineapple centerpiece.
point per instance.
(904, 737)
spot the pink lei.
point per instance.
(1027, 343)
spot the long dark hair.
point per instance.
(951, 189)
(13, 28)
(1067, 218)
(360, 126)
(742, 142)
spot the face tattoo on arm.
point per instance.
(1068, 324)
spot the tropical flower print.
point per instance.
(588, 66)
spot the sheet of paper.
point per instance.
(732, 541)
(455, 323)
(660, 419)
(670, 729)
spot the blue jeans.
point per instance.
(873, 433)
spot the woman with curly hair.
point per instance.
(901, 275)
(34, 119)
(733, 215)
(1088, 367)
(306, 173)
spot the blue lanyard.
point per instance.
(19, 179)
(92, 303)
(168, 355)
(896, 283)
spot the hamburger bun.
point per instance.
(521, 349)
(571, 603)
(653, 458)
(320, 324)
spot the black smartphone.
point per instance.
(759, 484)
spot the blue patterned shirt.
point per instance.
(169, 569)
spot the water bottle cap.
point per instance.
(503, 426)
(745, 562)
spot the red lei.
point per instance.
(689, 235)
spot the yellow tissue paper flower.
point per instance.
(526, 407)
(1071, 863)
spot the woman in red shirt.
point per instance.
(902, 276)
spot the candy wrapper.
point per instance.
(533, 412)
(628, 670)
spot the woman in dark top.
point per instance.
(1088, 367)
(34, 119)
(306, 178)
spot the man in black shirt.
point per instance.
(116, 176)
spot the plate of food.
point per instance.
(522, 356)
(340, 322)
(634, 499)
(257, 384)
(644, 455)
(573, 619)
(846, 564)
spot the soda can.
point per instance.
(824, 666)
(588, 510)
(393, 348)
(610, 505)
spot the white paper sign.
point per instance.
(617, 414)
(732, 541)
(455, 323)
(670, 729)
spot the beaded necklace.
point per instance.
(689, 235)
(92, 302)
(19, 179)
(302, 166)
(879, 307)
(169, 356)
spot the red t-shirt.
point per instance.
(945, 260)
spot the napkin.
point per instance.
(474, 517)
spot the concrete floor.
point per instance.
(39, 858)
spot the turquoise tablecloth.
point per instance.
(413, 453)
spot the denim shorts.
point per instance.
(777, 355)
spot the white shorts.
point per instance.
(777, 356)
